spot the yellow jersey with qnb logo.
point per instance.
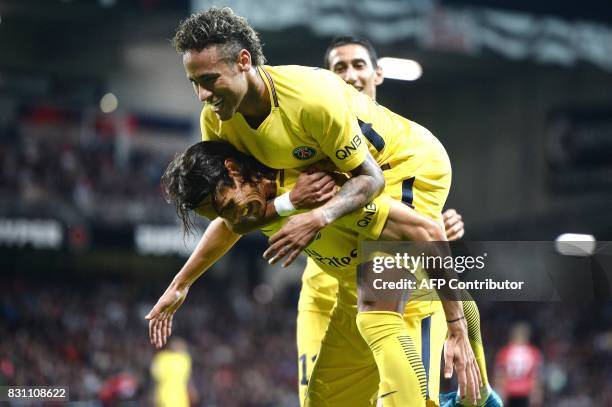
(335, 248)
(316, 116)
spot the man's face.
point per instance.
(216, 80)
(242, 200)
(352, 63)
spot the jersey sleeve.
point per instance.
(331, 121)
(369, 221)
(209, 125)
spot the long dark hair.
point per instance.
(199, 172)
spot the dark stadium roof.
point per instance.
(594, 10)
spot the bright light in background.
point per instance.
(402, 69)
(109, 103)
(573, 244)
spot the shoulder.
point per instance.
(311, 84)
(535, 351)
(299, 72)
(502, 353)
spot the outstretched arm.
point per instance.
(215, 242)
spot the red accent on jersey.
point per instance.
(519, 365)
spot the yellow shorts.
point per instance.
(317, 299)
(318, 292)
(423, 182)
(345, 372)
(311, 327)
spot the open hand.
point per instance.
(160, 316)
(299, 231)
(312, 189)
(458, 354)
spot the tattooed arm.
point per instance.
(312, 188)
(366, 184)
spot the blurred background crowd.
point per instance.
(90, 335)
(48, 164)
(94, 104)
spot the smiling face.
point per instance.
(242, 199)
(217, 80)
(353, 64)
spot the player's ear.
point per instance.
(244, 60)
(380, 77)
(232, 167)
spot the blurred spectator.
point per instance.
(171, 371)
(57, 158)
(517, 370)
(122, 386)
(91, 336)
(89, 332)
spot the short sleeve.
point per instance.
(330, 119)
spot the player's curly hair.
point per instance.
(199, 172)
(348, 40)
(218, 26)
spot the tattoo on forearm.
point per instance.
(367, 183)
(354, 194)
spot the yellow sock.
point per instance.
(403, 381)
(472, 317)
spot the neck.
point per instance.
(256, 102)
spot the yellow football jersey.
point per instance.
(316, 116)
(171, 371)
(335, 248)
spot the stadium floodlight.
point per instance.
(573, 244)
(399, 68)
(109, 103)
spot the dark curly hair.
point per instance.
(199, 172)
(347, 40)
(219, 26)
